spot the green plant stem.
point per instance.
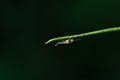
(84, 34)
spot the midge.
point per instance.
(68, 41)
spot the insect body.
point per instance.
(68, 41)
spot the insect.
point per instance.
(68, 41)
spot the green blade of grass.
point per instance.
(84, 34)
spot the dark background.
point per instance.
(25, 25)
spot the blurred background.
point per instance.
(25, 25)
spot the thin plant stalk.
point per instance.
(84, 34)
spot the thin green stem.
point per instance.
(84, 34)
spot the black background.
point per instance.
(25, 25)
